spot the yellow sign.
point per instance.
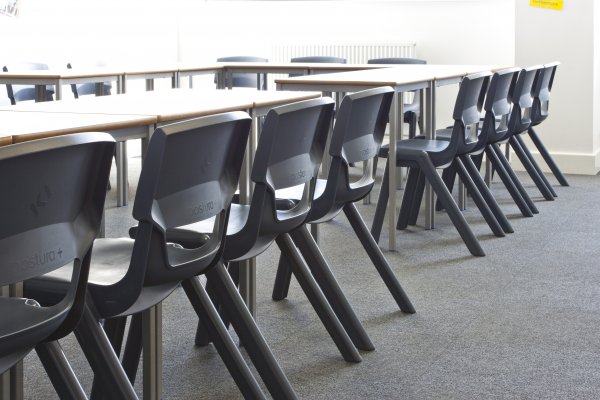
(551, 4)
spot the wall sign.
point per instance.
(551, 4)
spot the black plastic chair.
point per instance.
(189, 174)
(289, 154)
(51, 210)
(520, 122)
(539, 113)
(357, 136)
(89, 88)
(18, 93)
(497, 108)
(412, 111)
(424, 156)
(257, 81)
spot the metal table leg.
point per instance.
(152, 352)
(395, 132)
(430, 134)
(248, 268)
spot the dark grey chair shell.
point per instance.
(51, 211)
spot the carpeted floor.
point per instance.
(521, 323)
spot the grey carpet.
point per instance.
(520, 323)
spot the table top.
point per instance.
(395, 76)
(29, 125)
(65, 73)
(168, 105)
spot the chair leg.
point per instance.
(59, 371)
(133, 347)
(508, 182)
(331, 289)
(451, 208)
(202, 338)
(546, 156)
(449, 177)
(513, 177)
(283, 278)
(253, 341)
(227, 349)
(478, 198)
(535, 165)
(382, 201)
(417, 199)
(317, 299)
(529, 167)
(100, 355)
(485, 192)
(115, 330)
(410, 190)
(377, 258)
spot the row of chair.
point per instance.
(17, 93)
(514, 101)
(411, 110)
(187, 226)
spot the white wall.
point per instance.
(571, 132)
(446, 32)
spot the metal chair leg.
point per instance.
(417, 198)
(546, 156)
(115, 330)
(407, 199)
(100, 355)
(516, 182)
(530, 168)
(317, 299)
(451, 208)
(253, 341)
(382, 201)
(283, 278)
(478, 199)
(59, 371)
(485, 192)
(227, 349)
(331, 289)
(377, 258)
(133, 348)
(535, 165)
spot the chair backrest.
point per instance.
(289, 154)
(357, 136)
(246, 80)
(18, 93)
(522, 99)
(89, 88)
(467, 112)
(190, 174)
(317, 59)
(51, 207)
(541, 92)
(497, 105)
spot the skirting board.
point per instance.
(569, 163)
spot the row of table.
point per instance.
(98, 75)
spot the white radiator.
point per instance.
(357, 53)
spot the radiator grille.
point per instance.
(354, 53)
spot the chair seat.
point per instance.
(29, 325)
(295, 192)
(412, 107)
(412, 149)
